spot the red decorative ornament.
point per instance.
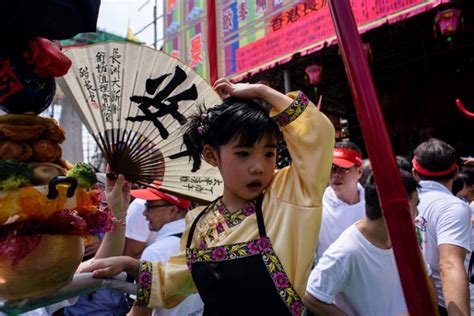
(448, 21)
(463, 109)
(47, 58)
(313, 74)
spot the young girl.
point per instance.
(250, 251)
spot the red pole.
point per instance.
(389, 184)
(212, 40)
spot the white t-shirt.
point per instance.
(165, 246)
(137, 225)
(442, 219)
(358, 277)
(471, 207)
(337, 216)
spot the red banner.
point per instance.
(310, 29)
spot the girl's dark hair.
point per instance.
(235, 118)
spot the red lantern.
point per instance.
(313, 74)
(448, 21)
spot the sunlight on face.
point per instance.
(343, 179)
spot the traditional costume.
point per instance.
(257, 259)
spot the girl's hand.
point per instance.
(226, 89)
(271, 96)
(109, 267)
(117, 193)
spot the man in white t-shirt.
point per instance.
(137, 234)
(357, 275)
(343, 200)
(165, 215)
(445, 225)
(463, 188)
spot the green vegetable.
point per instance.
(84, 174)
(14, 174)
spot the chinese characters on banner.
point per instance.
(228, 20)
(260, 6)
(284, 27)
(243, 11)
(186, 33)
(176, 53)
(170, 6)
(196, 51)
(296, 12)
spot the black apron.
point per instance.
(242, 279)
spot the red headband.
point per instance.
(426, 172)
(346, 158)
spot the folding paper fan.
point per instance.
(134, 101)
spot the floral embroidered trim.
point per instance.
(221, 220)
(144, 283)
(282, 283)
(236, 251)
(228, 252)
(293, 111)
(234, 219)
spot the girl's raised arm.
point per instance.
(276, 99)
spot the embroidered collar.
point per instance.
(238, 216)
(219, 220)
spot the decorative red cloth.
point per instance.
(47, 58)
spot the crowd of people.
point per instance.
(306, 239)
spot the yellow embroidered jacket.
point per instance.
(291, 207)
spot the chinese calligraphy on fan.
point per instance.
(200, 184)
(87, 83)
(108, 83)
(162, 103)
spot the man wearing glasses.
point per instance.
(343, 200)
(165, 214)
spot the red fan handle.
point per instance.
(463, 109)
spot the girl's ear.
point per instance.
(210, 155)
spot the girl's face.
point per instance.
(247, 171)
